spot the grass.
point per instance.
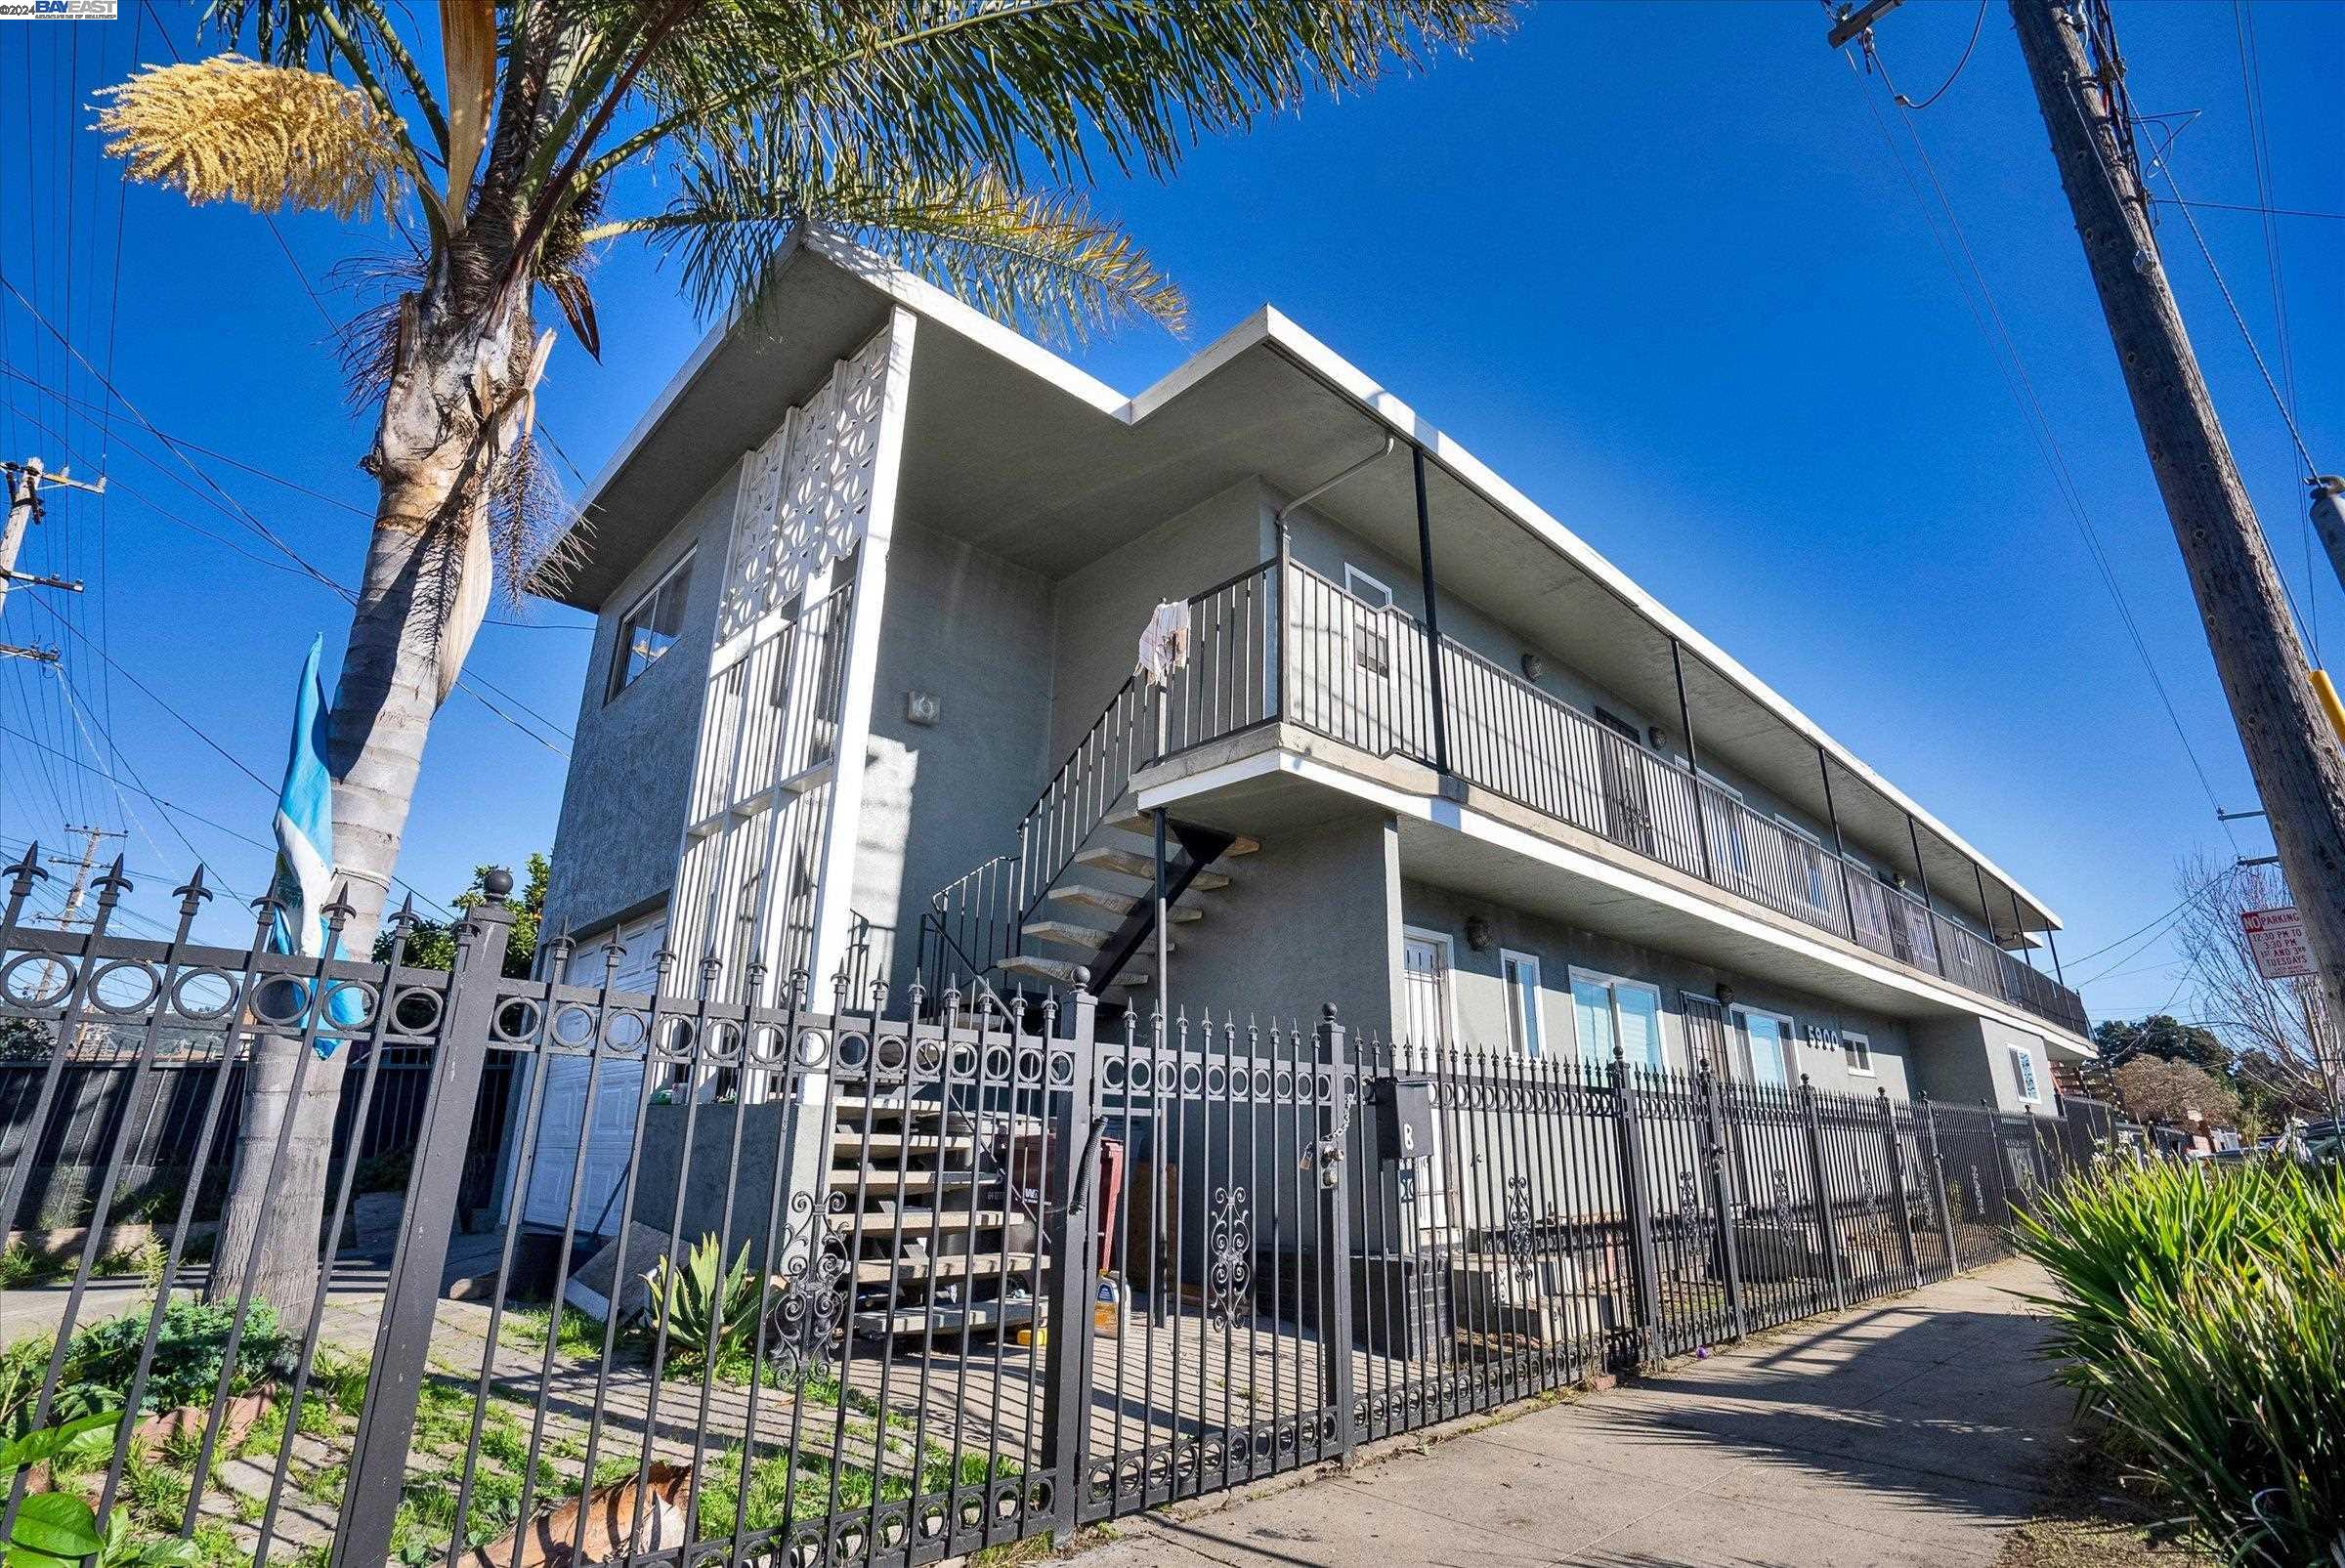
(156, 1482)
(2092, 1520)
(580, 1336)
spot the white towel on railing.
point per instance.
(1165, 644)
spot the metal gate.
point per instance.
(869, 1289)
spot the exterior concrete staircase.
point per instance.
(928, 1208)
(1099, 917)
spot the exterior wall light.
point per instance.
(1478, 933)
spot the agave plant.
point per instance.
(511, 149)
(704, 1306)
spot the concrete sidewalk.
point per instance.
(1914, 1431)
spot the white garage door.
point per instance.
(605, 1132)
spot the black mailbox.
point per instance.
(1403, 1107)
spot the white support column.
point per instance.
(835, 887)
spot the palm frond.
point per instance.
(267, 137)
(536, 536)
(369, 340)
(949, 85)
(1040, 261)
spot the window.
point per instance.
(1370, 646)
(1606, 1010)
(2023, 1069)
(1766, 1044)
(1524, 1029)
(1365, 588)
(651, 628)
(1860, 1052)
(1620, 727)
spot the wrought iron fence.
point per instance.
(811, 1284)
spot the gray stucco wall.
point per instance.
(631, 757)
(1481, 993)
(1967, 1060)
(1102, 608)
(975, 633)
(1307, 921)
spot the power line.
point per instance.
(2021, 387)
(258, 472)
(197, 817)
(242, 514)
(2241, 206)
(191, 726)
(1977, 22)
(2311, 469)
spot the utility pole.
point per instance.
(2073, 61)
(81, 870)
(24, 481)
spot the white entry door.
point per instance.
(1426, 971)
(605, 1132)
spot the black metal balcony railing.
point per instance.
(1310, 654)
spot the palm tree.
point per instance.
(931, 129)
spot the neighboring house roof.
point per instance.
(1063, 458)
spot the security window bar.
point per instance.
(651, 628)
(1525, 1030)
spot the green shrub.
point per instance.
(18, 1263)
(188, 1354)
(2203, 1310)
(23, 1366)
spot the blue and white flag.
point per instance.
(305, 845)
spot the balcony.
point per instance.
(1281, 644)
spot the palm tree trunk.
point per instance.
(425, 586)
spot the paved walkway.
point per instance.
(1912, 1432)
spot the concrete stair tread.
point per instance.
(951, 1266)
(1143, 828)
(849, 1110)
(947, 1319)
(1087, 937)
(1185, 908)
(918, 1222)
(1141, 868)
(850, 1139)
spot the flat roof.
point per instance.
(1029, 455)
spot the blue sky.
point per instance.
(1657, 264)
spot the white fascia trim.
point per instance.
(1444, 812)
(1269, 326)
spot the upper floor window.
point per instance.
(651, 628)
(2023, 1070)
(1620, 727)
(1365, 588)
(1525, 1027)
(1370, 646)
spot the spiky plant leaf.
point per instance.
(267, 137)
